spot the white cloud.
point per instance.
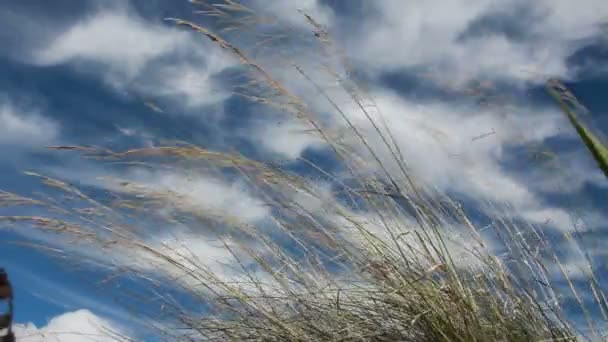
(141, 56)
(289, 12)
(452, 147)
(289, 139)
(125, 43)
(428, 35)
(230, 199)
(76, 326)
(191, 83)
(190, 190)
(438, 140)
(187, 256)
(200, 192)
(23, 127)
(574, 21)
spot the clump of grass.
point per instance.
(345, 279)
(377, 257)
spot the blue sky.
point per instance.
(87, 72)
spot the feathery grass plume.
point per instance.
(367, 254)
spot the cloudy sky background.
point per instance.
(115, 74)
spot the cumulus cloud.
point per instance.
(76, 326)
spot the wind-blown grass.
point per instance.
(568, 103)
(379, 256)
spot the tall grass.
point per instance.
(380, 256)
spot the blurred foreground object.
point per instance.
(571, 106)
(6, 318)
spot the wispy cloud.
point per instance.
(24, 126)
(123, 42)
(291, 14)
(429, 36)
(513, 41)
(141, 56)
